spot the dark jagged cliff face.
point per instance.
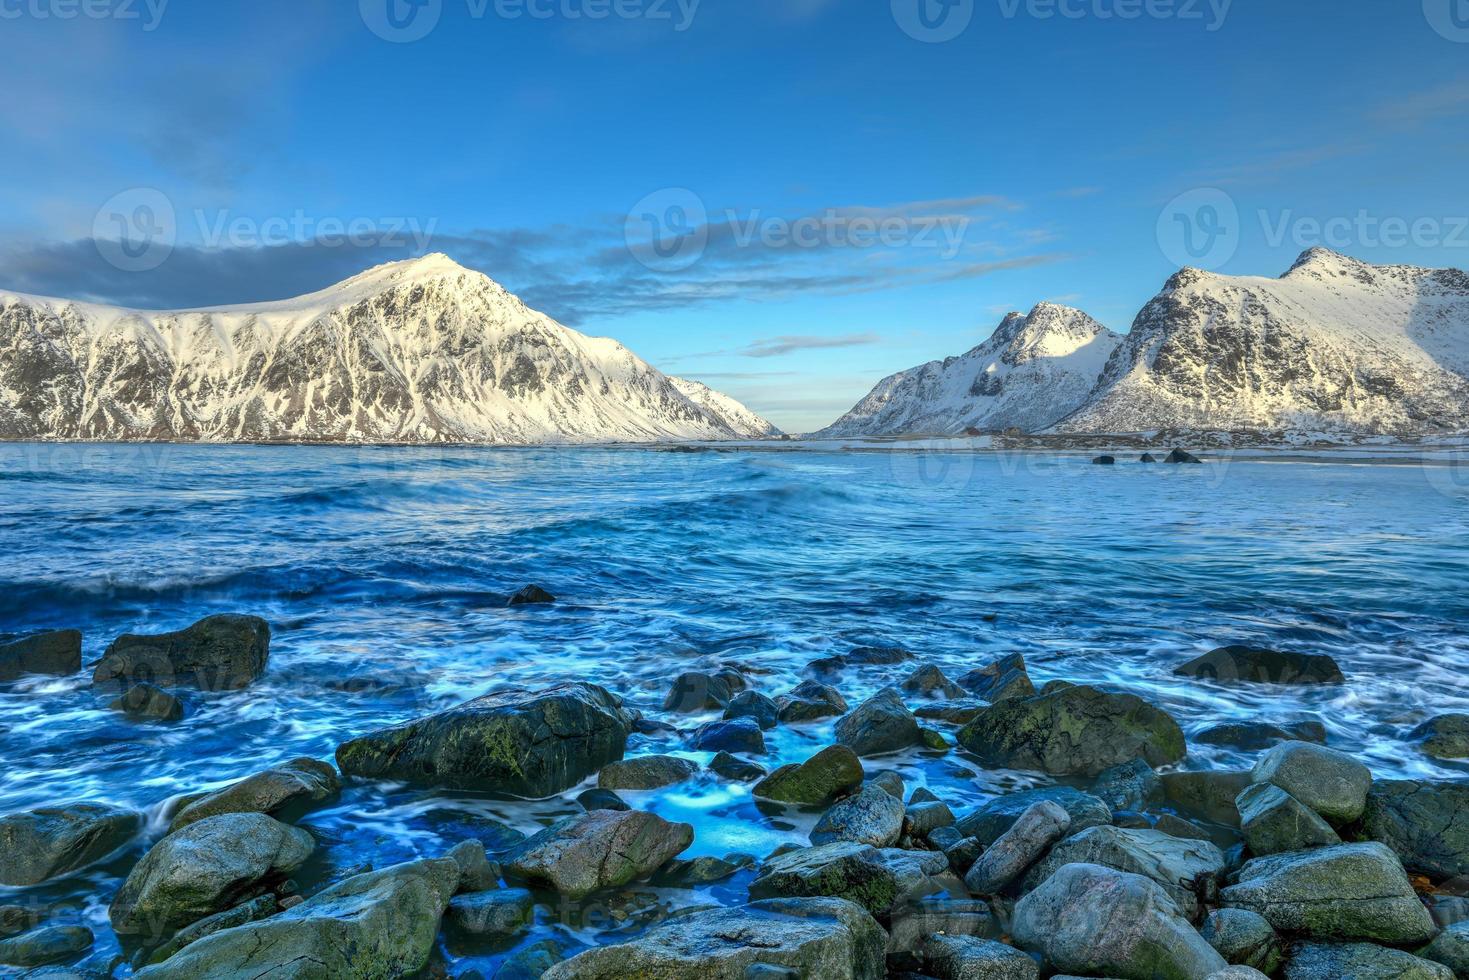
(422, 351)
(1334, 345)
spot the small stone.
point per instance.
(833, 772)
(870, 817)
(532, 595)
(1257, 736)
(933, 741)
(809, 701)
(477, 873)
(922, 819)
(1274, 821)
(1330, 782)
(752, 704)
(735, 770)
(739, 735)
(50, 944)
(1003, 679)
(1105, 461)
(646, 772)
(959, 712)
(930, 682)
(694, 691)
(1040, 826)
(1258, 666)
(601, 799)
(879, 725)
(602, 849)
(503, 912)
(1444, 737)
(844, 869)
(992, 819)
(146, 702)
(889, 782)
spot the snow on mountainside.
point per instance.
(1035, 370)
(1334, 345)
(737, 415)
(417, 351)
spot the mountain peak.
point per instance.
(434, 265)
(1324, 261)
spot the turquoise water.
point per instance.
(385, 572)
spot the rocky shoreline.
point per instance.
(1303, 867)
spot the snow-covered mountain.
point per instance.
(1334, 346)
(1035, 370)
(417, 351)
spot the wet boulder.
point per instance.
(1443, 737)
(502, 912)
(532, 595)
(752, 704)
(532, 744)
(859, 657)
(957, 712)
(694, 691)
(869, 817)
(144, 702)
(967, 957)
(1423, 822)
(1331, 783)
(1260, 666)
(1181, 456)
(242, 914)
(734, 769)
(1027, 840)
(879, 725)
(740, 735)
(1130, 786)
(1005, 678)
(646, 772)
(218, 653)
(1274, 821)
(989, 821)
(1098, 921)
(285, 792)
(1073, 731)
(809, 701)
(1244, 938)
(379, 924)
(1347, 893)
(914, 921)
(1258, 736)
(205, 868)
(1209, 794)
(930, 682)
(845, 869)
(922, 819)
(602, 849)
(833, 772)
(601, 799)
(45, 843)
(57, 653)
(1104, 461)
(1359, 961)
(1451, 948)
(1188, 870)
(49, 944)
(810, 937)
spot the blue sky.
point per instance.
(860, 199)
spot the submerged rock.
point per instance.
(859, 657)
(218, 653)
(1101, 922)
(1260, 666)
(1074, 731)
(57, 653)
(602, 849)
(533, 744)
(532, 595)
(1188, 870)
(992, 819)
(1331, 783)
(1359, 961)
(284, 791)
(870, 817)
(810, 700)
(958, 712)
(931, 682)
(205, 868)
(1005, 678)
(1347, 893)
(879, 725)
(1040, 826)
(646, 772)
(739, 735)
(502, 912)
(813, 937)
(698, 691)
(1423, 822)
(1181, 456)
(146, 702)
(833, 772)
(752, 704)
(379, 924)
(601, 799)
(49, 944)
(735, 770)
(45, 843)
(1105, 461)
(1444, 737)
(1274, 821)
(1255, 736)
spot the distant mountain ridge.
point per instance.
(421, 351)
(1335, 346)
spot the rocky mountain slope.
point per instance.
(1335, 346)
(411, 352)
(1035, 370)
